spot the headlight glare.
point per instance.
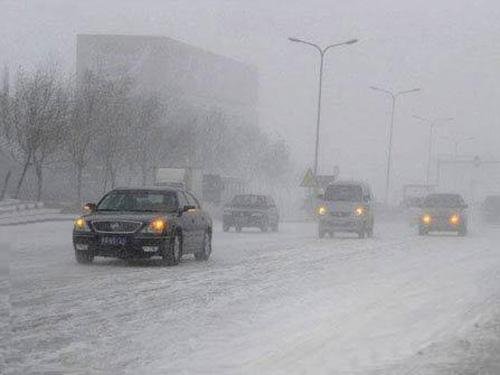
(426, 219)
(455, 219)
(322, 210)
(81, 225)
(156, 226)
(359, 211)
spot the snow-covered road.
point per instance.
(280, 303)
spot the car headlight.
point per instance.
(80, 225)
(359, 211)
(454, 219)
(426, 219)
(156, 226)
(322, 210)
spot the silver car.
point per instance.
(346, 207)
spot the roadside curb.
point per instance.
(37, 220)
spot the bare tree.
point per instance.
(113, 135)
(147, 135)
(86, 109)
(39, 114)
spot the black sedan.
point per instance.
(144, 223)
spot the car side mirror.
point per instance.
(321, 197)
(88, 208)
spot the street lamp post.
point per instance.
(322, 52)
(433, 124)
(394, 97)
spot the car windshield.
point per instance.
(345, 193)
(139, 201)
(255, 201)
(443, 200)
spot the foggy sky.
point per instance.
(449, 48)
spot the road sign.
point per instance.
(308, 180)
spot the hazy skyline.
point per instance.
(448, 48)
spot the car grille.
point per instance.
(340, 214)
(116, 226)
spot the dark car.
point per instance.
(144, 223)
(443, 213)
(249, 210)
(491, 209)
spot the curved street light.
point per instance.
(322, 52)
(433, 124)
(394, 96)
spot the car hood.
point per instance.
(341, 206)
(442, 211)
(246, 209)
(127, 216)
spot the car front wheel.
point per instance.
(172, 252)
(206, 248)
(422, 231)
(84, 257)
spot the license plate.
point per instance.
(114, 241)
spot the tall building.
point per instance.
(192, 76)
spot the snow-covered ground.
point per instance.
(274, 303)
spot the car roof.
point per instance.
(251, 195)
(148, 188)
(362, 184)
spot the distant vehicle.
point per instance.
(190, 179)
(346, 207)
(491, 209)
(443, 213)
(144, 223)
(250, 210)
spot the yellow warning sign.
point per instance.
(308, 180)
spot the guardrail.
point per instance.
(15, 212)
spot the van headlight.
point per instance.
(322, 210)
(359, 211)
